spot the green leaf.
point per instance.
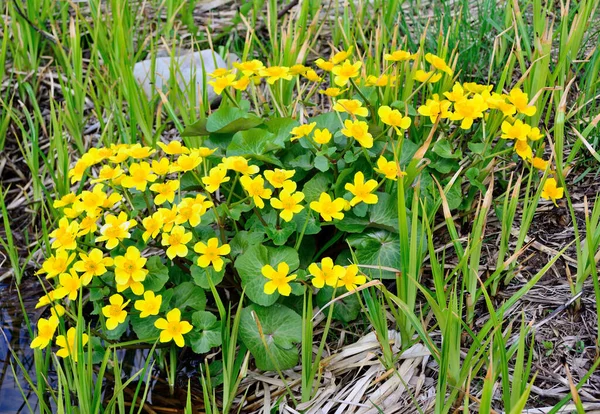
(281, 129)
(444, 149)
(385, 212)
(249, 265)
(158, 274)
(313, 226)
(187, 294)
(244, 239)
(280, 236)
(198, 128)
(377, 248)
(201, 276)
(206, 333)
(116, 333)
(144, 327)
(250, 142)
(313, 188)
(321, 163)
(345, 310)
(226, 120)
(281, 328)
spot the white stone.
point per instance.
(186, 68)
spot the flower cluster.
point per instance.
(184, 206)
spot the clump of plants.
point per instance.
(270, 204)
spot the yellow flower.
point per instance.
(64, 236)
(186, 162)
(361, 190)
(136, 287)
(162, 166)
(474, 87)
(322, 136)
(152, 226)
(150, 305)
(429, 77)
(139, 176)
(69, 285)
(359, 130)
(203, 152)
(288, 201)
(312, 76)
(92, 264)
(91, 200)
(351, 279)
(326, 65)
(219, 72)
(137, 152)
(521, 101)
(302, 131)
(457, 93)
(115, 312)
(250, 68)
(278, 279)
(389, 169)
(435, 108)
(255, 187)
(108, 173)
(382, 80)
(166, 191)
(65, 200)
(551, 191)
(298, 69)
(344, 72)
(518, 130)
(210, 253)
(69, 344)
(216, 177)
(174, 148)
(327, 274)
(176, 240)
(398, 56)
(274, 73)
(329, 209)
(342, 55)
(394, 118)
(523, 150)
(468, 110)
(192, 209)
(535, 134)
(47, 299)
(77, 171)
(221, 83)
(351, 106)
(539, 163)
(173, 328)
(332, 92)
(45, 332)
(130, 267)
(438, 63)
(241, 84)
(115, 229)
(278, 177)
(240, 164)
(56, 264)
(168, 217)
(57, 310)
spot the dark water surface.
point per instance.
(14, 336)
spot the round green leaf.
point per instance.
(281, 329)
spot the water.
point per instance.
(15, 336)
